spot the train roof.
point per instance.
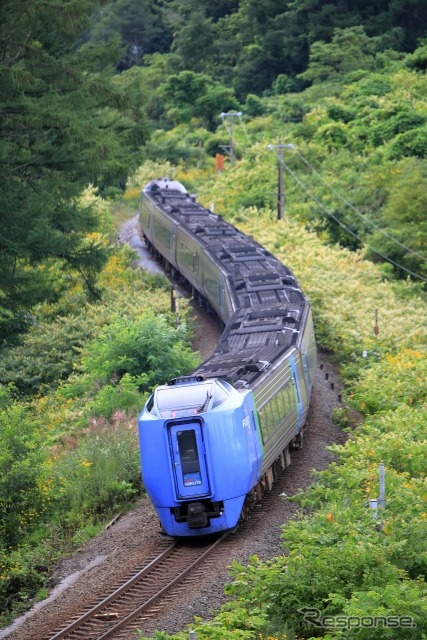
(270, 308)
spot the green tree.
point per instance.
(63, 124)
(403, 217)
(194, 42)
(350, 50)
(196, 95)
(22, 500)
(140, 26)
(254, 71)
(418, 59)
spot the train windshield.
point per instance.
(184, 400)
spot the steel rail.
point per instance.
(76, 625)
(127, 585)
(131, 617)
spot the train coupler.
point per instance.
(196, 515)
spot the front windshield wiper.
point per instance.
(205, 404)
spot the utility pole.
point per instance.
(229, 117)
(280, 183)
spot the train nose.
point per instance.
(196, 515)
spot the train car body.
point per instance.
(212, 441)
(186, 428)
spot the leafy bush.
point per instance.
(397, 124)
(41, 361)
(24, 498)
(396, 380)
(254, 106)
(48, 352)
(21, 577)
(149, 348)
(409, 143)
(98, 473)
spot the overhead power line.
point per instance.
(353, 208)
(280, 203)
(344, 226)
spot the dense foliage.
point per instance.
(248, 44)
(89, 89)
(65, 122)
(343, 565)
(85, 86)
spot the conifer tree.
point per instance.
(63, 124)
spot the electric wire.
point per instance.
(344, 226)
(353, 208)
(245, 130)
(337, 220)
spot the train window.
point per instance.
(186, 256)
(187, 446)
(267, 421)
(150, 403)
(220, 395)
(286, 399)
(161, 232)
(281, 403)
(190, 466)
(184, 400)
(271, 424)
(275, 411)
(277, 416)
(211, 283)
(284, 395)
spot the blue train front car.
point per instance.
(201, 454)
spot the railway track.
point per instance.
(150, 588)
(140, 597)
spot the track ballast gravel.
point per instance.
(102, 562)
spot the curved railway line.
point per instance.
(149, 589)
(169, 606)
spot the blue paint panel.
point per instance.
(232, 454)
(215, 457)
(155, 460)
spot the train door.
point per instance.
(222, 296)
(188, 459)
(298, 376)
(306, 370)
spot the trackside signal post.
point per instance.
(280, 182)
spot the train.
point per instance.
(213, 441)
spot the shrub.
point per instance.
(24, 497)
(99, 472)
